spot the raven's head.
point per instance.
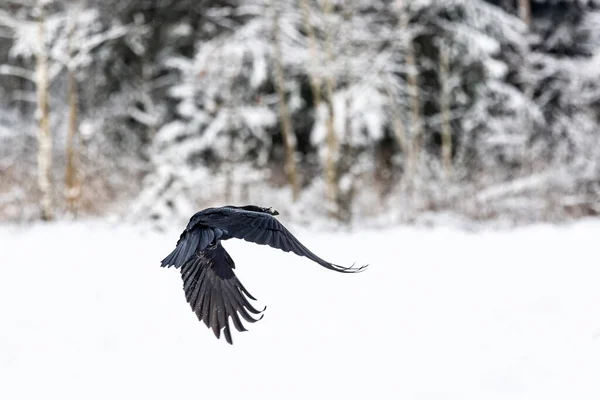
(266, 210)
(271, 210)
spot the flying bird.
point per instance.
(209, 282)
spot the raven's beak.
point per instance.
(274, 211)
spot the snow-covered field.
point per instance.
(87, 313)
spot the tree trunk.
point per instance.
(332, 141)
(286, 121)
(72, 181)
(446, 131)
(415, 100)
(315, 82)
(525, 11)
(44, 156)
(332, 150)
(397, 124)
(527, 87)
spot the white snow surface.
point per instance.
(87, 313)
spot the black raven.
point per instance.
(210, 285)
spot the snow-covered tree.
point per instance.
(354, 108)
(49, 41)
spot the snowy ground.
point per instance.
(86, 313)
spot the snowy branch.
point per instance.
(8, 20)
(94, 41)
(20, 72)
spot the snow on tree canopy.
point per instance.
(469, 106)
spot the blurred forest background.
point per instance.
(354, 110)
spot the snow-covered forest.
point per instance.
(395, 124)
(347, 110)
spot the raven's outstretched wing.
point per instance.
(261, 228)
(215, 293)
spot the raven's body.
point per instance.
(211, 287)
